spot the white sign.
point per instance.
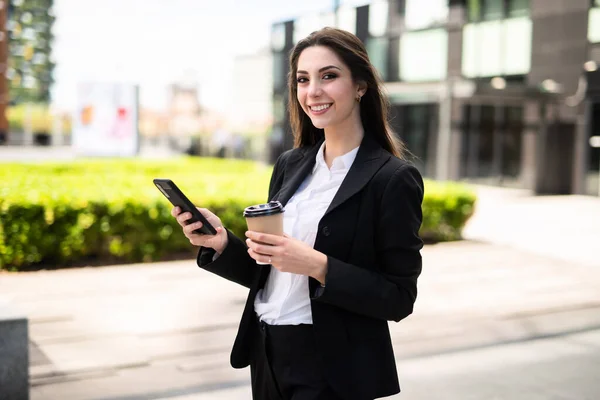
(106, 120)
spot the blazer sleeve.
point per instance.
(235, 264)
(387, 291)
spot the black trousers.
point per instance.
(286, 364)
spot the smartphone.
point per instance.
(177, 198)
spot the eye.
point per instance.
(329, 76)
(301, 79)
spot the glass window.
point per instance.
(493, 9)
(347, 19)
(425, 13)
(304, 26)
(597, 3)
(378, 16)
(278, 108)
(470, 51)
(474, 10)
(279, 76)
(278, 37)
(490, 44)
(378, 54)
(417, 65)
(516, 41)
(495, 48)
(518, 8)
(594, 25)
(511, 141)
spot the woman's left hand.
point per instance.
(287, 254)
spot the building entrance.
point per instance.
(416, 125)
(492, 144)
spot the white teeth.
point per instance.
(320, 108)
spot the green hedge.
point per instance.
(60, 214)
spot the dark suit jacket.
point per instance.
(370, 236)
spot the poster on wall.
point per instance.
(106, 120)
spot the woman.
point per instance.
(315, 322)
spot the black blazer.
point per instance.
(370, 236)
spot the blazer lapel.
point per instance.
(369, 159)
(299, 167)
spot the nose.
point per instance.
(314, 89)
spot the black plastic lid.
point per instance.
(261, 210)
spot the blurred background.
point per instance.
(498, 101)
(485, 91)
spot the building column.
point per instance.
(456, 139)
(581, 153)
(532, 123)
(442, 172)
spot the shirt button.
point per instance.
(326, 231)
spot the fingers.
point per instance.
(274, 240)
(188, 229)
(262, 252)
(183, 217)
(265, 259)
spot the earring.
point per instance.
(358, 98)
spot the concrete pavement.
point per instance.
(165, 330)
(564, 227)
(564, 367)
(501, 316)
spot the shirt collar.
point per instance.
(339, 163)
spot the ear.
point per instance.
(361, 88)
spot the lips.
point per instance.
(319, 108)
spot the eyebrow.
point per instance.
(320, 70)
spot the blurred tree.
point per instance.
(29, 74)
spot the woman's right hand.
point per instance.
(217, 242)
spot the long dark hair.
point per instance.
(374, 104)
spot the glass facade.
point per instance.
(347, 19)
(304, 26)
(279, 75)
(594, 24)
(490, 10)
(492, 143)
(278, 37)
(494, 48)
(417, 65)
(377, 48)
(378, 18)
(416, 125)
(421, 14)
(517, 8)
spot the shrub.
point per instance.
(59, 214)
(447, 207)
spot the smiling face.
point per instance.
(325, 89)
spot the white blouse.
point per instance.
(285, 300)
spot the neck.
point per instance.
(340, 140)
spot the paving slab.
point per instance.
(164, 330)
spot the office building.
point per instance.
(501, 92)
